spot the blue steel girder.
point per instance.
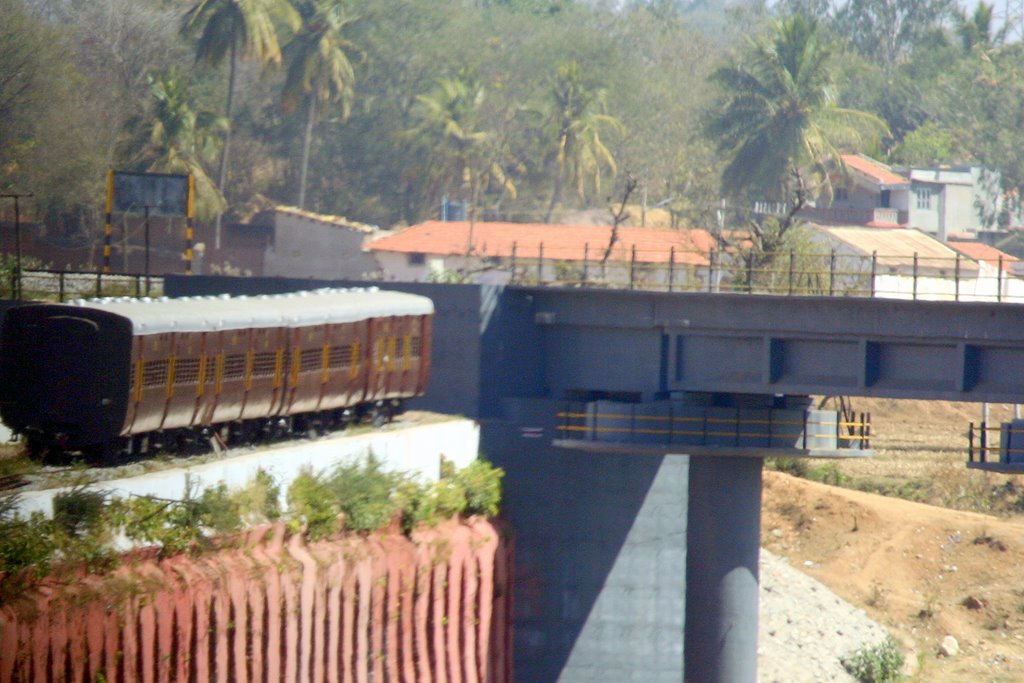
(743, 344)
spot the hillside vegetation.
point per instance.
(515, 109)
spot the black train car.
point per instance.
(95, 376)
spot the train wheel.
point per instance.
(35, 449)
(380, 415)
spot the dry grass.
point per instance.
(921, 451)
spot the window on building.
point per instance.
(842, 195)
(924, 197)
(417, 259)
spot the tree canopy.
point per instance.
(566, 99)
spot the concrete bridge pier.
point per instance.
(723, 549)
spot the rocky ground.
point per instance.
(805, 628)
(926, 573)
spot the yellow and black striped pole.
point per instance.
(188, 223)
(108, 229)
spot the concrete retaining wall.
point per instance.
(383, 608)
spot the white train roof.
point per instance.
(297, 309)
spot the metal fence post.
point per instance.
(999, 280)
(792, 263)
(513, 261)
(915, 276)
(956, 279)
(832, 274)
(586, 261)
(983, 442)
(874, 271)
(711, 271)
(671, 266)
(540, 265)
(970, 442)
(632, 267)
(750, 274)
(60, 287)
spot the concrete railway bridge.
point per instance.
(633, 427)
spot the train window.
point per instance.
(417, 347)
(311, 359)
(186, 371)
(234, 366)
(340, 356)
(264, 364)
(154, 373)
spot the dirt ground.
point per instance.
(921, 570)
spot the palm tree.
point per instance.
(448, 120)
(780, 124)
(975, 30)
(183, 140)
(779, 128)
(228, 28)
(319, 71)
(578, 118)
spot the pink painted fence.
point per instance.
(436, 609)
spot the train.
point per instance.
(120, 376)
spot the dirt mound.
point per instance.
(922, 571)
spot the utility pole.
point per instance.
(145, 209)
(17, 239)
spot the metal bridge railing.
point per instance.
(1005, 441)
(794, 273)
(63, 285)
(717, 427)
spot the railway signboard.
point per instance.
(157, 194)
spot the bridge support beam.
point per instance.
(724, 542)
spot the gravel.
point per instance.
(805, 629)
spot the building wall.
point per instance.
(396, 267)
(304, 247)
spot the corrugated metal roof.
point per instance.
(896, 247)
(979, 251)
(874, 171)
(337, 221)
(298, 309)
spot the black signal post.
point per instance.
(17, 239)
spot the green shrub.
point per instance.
(177, 525)
(364, 494)
(481, 482)
(24, 542)
(311, 503)
(796, 467)
(879, 663)
(260, 501)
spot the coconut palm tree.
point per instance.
(183, 140)
(578, 118)
(780, 124)
(975, 30)
(780, 131)
(319, 71)
(233, 28)
(448, 121)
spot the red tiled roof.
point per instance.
(980, 251)
(874, 171)
(562, 242)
